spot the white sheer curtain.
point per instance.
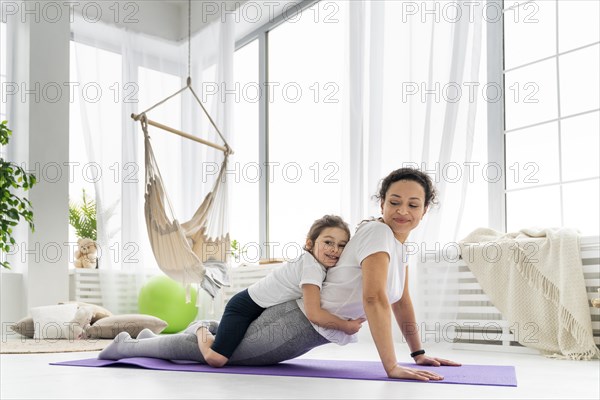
(151, 69)
(403, 70)
(98, 116)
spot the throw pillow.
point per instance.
(24, 327)
(98, 312)
(52, 322)
(109, 327)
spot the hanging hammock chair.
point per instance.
(196, 251)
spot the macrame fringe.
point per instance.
(188, 293)
(536, 280)
(584, 356)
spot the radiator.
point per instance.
(478, 324)
(85, 286)
(239, 279)
(242, 277)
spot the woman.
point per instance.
(369, 280)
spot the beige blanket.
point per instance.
(535, 279)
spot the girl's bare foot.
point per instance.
(205, 341)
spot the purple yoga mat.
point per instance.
(491, 375)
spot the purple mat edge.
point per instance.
(290, 368)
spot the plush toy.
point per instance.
(81, 321)
(596, 302)
(87, 255)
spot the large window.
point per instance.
(290, 130)
(552, 50)
(244, 215)
(305, 135)
(308, 133)
(415, 87)
(94, 111)
(551, 121)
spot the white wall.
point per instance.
(156, 18)
(49, 146)
(12, 308)
(39, 117)
(165, 19)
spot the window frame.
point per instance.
(4, 112)
(498, 212)
(496, 121)
(496, 126)
(261, 34)
(497, 190)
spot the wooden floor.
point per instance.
(30, 377)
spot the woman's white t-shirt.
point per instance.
(341, 293)
(285, 282)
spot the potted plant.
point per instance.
(82, 218)
(13, 208)
(236, 250)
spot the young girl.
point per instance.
(301, 278)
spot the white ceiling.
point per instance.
(199, 17)
(167, 19)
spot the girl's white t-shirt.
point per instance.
(285, 282)
(341, 293)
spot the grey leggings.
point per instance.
(281, 333)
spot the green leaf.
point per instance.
(12, 207)
(83, 217)
(12, 214)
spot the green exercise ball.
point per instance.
(164, 298)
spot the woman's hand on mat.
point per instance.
(399, 372)
(434, 361)
(352, 326)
